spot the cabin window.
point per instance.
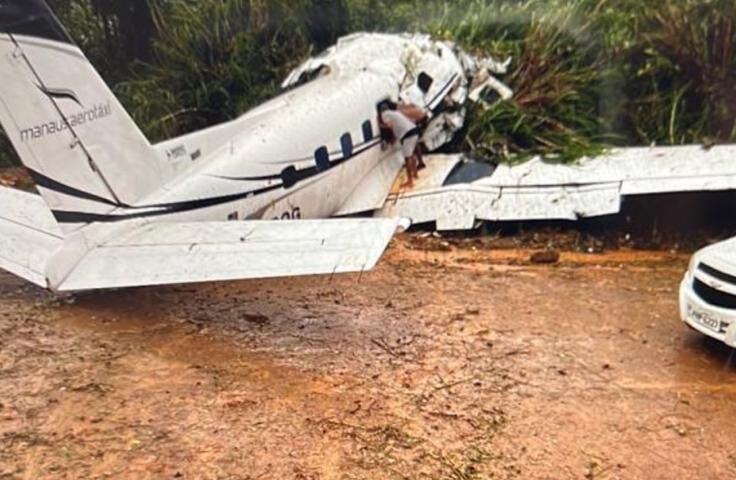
(289, 177)
(424, 82)
(322, 159)
(367, 131)
(346, 143)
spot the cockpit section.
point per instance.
(435, 76)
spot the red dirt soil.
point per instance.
(445, 363)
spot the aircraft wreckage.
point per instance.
(250, 198)
(254, 197)
(457, 192)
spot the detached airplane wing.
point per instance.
(457, 195)
(175, 253)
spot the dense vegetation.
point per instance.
(586, 73)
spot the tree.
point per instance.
(328, 20)
(128, 27)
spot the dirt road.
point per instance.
(444, 363)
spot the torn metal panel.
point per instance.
(537, 190)
(404, 59)
(372, 191)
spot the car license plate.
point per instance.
(704, 319)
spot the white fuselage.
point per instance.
(315, 151)
(299, 155)
(304, 153)
(116, 211)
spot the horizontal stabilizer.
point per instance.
(29, 236)
(176, 253)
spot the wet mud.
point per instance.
(447, 362)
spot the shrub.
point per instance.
(559, 75)
(215, 60)
(682, 67)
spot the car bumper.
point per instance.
(715, 322)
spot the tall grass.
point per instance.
(683, 67)
(559, 76)
(216, 60)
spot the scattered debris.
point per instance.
(256, 318)
(545, 257)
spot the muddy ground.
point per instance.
(450, 361)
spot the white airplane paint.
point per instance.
(234, 201)
(456, 194)
(116, 211)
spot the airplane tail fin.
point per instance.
(84, 151)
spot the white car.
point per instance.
(708, 292)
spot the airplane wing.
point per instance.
(537, 190)
(29, 236)
(159, 254)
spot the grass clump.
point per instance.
(216, 60)
(682, 68)
(558, 74)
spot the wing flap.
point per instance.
(175, 253)
(371, 194)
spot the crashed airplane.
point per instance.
(254, 197)
(228, 202)
(458, 193)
